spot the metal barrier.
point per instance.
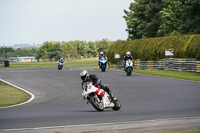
(175, 64)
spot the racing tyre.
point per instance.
(117, 105)
(59, 67)
(95, 103)
(128, 73)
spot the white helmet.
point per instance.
(84, 75)
(128, 54)
(101, 53)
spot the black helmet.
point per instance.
(84, 75)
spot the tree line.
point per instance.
(71, 49)
(158, 18)
(6, 52)
(55, 50)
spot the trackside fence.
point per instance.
(175, 64)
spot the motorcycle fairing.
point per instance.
(89, 88)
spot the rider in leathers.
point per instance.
(128, 56)
(85, 76)
(101, 55)
(61, 60)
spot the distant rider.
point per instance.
(61, 61)
(127, 57)
(86, 77)
(101, 55)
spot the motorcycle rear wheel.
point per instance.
(97, 105)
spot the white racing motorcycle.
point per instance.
(129, 67)
(99, 99)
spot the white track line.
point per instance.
(32, 95)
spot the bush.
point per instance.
(185, 46)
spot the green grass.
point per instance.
(10, 95)
(79, 62)
(171, 74)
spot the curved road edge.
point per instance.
(30, 99)
(143, 126)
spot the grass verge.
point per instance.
(79, 62)
(10, 95)
(171, 74)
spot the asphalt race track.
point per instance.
(58, 100)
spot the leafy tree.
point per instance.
(143, 19)
(170, 17)
(103, 45)
(6, 51)
(49, 50)
(55, 50)
(190, 17)
(92, 49)
(152, 18)
(135, 20)
(80, 47)
(69, 50)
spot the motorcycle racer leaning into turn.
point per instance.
(86, 77)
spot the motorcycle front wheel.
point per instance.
(59, 67)
(117, 105)
(95, 103)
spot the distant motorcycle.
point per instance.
(129, 67)
(60, 65)
(102, 64)
(99, 99)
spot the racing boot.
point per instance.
(112, 97)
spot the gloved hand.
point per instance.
(98, 82)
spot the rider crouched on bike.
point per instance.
(96, 81)
(61, 60)
(127, 57)
(101, 55)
